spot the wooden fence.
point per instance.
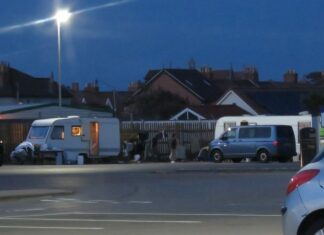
(192, 134)
(12, 133)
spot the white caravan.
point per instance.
(74, 137)
(297, 122)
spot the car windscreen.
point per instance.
(38, 132)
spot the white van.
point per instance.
(75, 137)
(297, 122)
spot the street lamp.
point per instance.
(61, 16)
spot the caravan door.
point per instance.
(94, 138)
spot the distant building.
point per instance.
(17, 87)
(92, 97)
(207, 88)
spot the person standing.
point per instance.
(173, 147)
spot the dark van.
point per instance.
(264, 143)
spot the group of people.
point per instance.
(142, 150)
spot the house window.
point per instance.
(58, 133)
(76, 130)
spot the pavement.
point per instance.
(163, 168)
(25, 193)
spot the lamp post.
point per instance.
(61, 16)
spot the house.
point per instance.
(189, 84)
(243, 89)
(18, 87)
(42, 110)
(92, 97)
(208, 112)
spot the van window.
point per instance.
(263, 132)
(58, 133)
(231, 134)
(76, 130)
(285, 132)
(254, 132)
(38, 132)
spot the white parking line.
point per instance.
(54, 228)
(140, 202)
(103, 220)
(145, 214)
(183, 214)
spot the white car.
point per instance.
(303, 209)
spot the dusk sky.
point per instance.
(119, 44)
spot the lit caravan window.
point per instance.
(38, 132)
(76, 130)
(58, 133)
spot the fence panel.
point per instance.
(12, 133)
(191, 134)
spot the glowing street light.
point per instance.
(61, 16)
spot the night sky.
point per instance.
(119, 44)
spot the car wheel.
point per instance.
(315, 228)
(263, 156)
(217, 156)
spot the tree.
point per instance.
(157, 105)
(315, 78)
(313, 102)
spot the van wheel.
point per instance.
(263, 156)
(217, 156)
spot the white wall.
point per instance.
(232, 98)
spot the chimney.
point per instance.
(3, 73)
(75, 87)
(291, 77)
(207, 71)
(134, 86)
(251, 73)
(96, 86)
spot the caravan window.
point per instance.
(76, 130)
(38, 132)
(58, 133)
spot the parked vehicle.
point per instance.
(297, 122)
(74, 138)
(264, 143)
(303, 209)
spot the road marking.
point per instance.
(73, 200)
(26, 210)
(183, 214)
(140, 202)
(54, 228)
(107, 201)
(142, 214)
(103, 220)
(49, 200)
